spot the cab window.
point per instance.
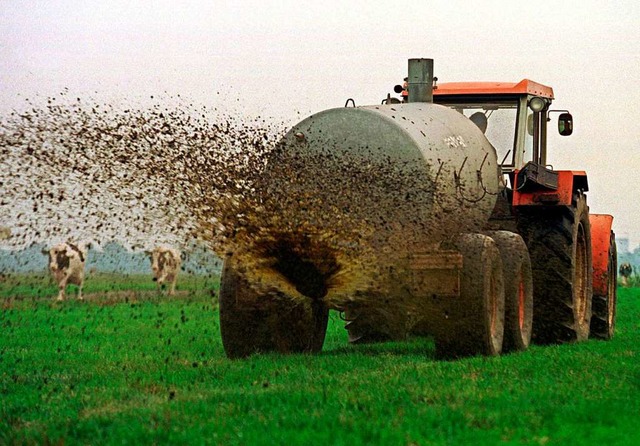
(497, 119)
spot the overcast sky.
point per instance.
(287, 58)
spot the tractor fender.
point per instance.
(600, 241)
(560, 193)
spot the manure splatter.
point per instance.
(83, 170)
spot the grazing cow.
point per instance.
(165, 263)
(66, 263)
(625, 273)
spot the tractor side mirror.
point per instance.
(565, 124)
(398, 88)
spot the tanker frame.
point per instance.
(456, 228)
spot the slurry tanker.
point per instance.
(435, 215)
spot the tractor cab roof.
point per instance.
(525, 86)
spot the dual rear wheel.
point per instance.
(495, 308)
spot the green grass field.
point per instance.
(134, 367)
(41, 285)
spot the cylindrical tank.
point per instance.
(420, 167)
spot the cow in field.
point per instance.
(66, 263)
(165, 263)
(625, 273)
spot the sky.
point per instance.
(286, 59)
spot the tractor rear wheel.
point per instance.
(474, 323)
(559, 242)
(251, 324)
(518, 290)
(603, 320)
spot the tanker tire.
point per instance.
(473, 324)
(518, 290)
(603, 320)
(272, 327)
(559, 242)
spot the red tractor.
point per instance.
(489, 249)
(572, 252)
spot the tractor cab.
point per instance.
(512, 116)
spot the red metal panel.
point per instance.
(562, 196)
(600, 241)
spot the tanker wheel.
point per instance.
(473, 324)
(273, 325)
(518, 290)
(603, 320)
(559, 242)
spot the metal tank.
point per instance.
(427, 167)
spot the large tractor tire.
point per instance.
(473, 324)
(518, 290)
(559, 242)
(252, 324)
(603, 320)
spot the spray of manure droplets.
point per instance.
(89, 171)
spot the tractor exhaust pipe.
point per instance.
(420, 80)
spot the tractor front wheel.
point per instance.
(603, 320)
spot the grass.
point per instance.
(147, 369)
(41, 285)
